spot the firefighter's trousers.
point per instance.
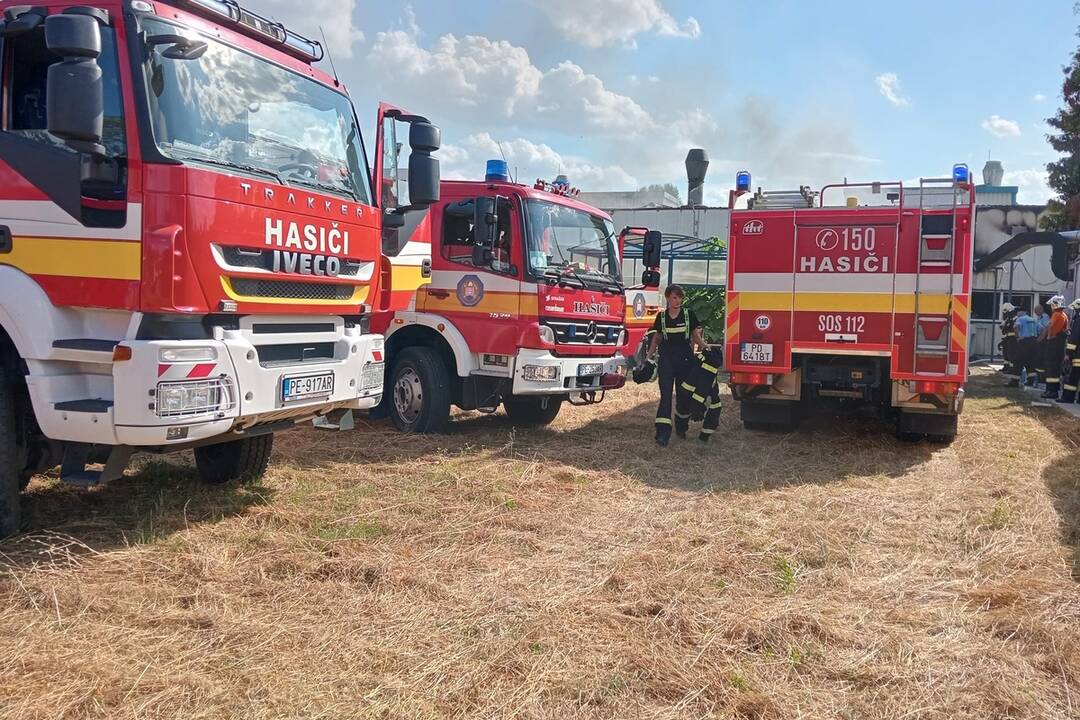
(1055, 354)
(673, 370)
(709, 406)
(1028, 357)
(1072, 382)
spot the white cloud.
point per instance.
(597, 23)
(492, 83)
(1038, 97)
(888, 85)
(842, 157)
(307, 17)
(1000, 127)
(1034, 185)
(529, 161)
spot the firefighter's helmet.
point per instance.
(644, 373)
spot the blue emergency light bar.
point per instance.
(497, 171)
(961, 173)
(742, 181)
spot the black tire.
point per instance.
(10, 475)
(532, 411)
(245, 459)
(419, 390)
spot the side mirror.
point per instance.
(75, 92)
(650, 249)
(424, 139)
(485, 230)
(650, 279)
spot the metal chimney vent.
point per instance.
(697, 166)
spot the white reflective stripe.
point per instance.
(44, 218)
(663, 421)
(707, 431)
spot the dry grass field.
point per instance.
(573, 572)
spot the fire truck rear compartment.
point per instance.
(843, 377)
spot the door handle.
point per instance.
(6, 240)
(443, 294)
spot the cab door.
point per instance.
(477, 265)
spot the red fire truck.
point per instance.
(502, 293)
(188, 238)
(858, 293)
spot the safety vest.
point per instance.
(675, 330)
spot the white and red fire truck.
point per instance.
(859, 293)
(503, 293)
(188, 238)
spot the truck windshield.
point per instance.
(229, 107)
(564, 240)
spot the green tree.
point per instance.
(1064, 210)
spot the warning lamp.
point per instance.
(497, 171)
(960, 173)
(742, 181)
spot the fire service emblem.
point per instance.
(470, 291)
(639, 305)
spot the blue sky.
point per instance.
(614, 92)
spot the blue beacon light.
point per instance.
(742, 181)
(961, 173)
(497, 171)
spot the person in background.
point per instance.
(1008, 339)
(677, 336)
(1056, 333)
(1027, 335)
(1072, 357)
(1042, 320)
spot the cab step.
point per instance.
(93, 406)
(84, 350)
(74, 468)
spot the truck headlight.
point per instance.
(541, 373)
(188, 354)
(197, 397)
(623, 337)
(547, 334)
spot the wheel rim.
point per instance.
(408, 395)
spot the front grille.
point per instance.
(291, 290)
(585, 332)
(264, 260)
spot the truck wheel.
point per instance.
(10, 476)
(532, 411)
(245, 459)
(420, 392)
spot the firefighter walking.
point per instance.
(1072, 357)
(1008, 342)
(677, 335)
(1056, 335)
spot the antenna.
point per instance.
(503, 153)
(329, 56)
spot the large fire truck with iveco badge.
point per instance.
(188, 239)
(507, 294)
(858, 294)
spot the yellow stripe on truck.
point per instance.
(104, 259)
(406, 278)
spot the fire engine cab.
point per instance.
(857, 294)
(502, 293)
(189, 238)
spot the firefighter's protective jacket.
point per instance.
(704, 383)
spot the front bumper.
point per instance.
(244, 380)
(569, 379)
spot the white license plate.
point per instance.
(301, 387)
(756, 352)
(590, 369)
(372, 376)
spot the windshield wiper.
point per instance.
(253, 169)
(341, 190)
(562, 278)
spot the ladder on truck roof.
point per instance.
(937, 243)
(783, 199)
